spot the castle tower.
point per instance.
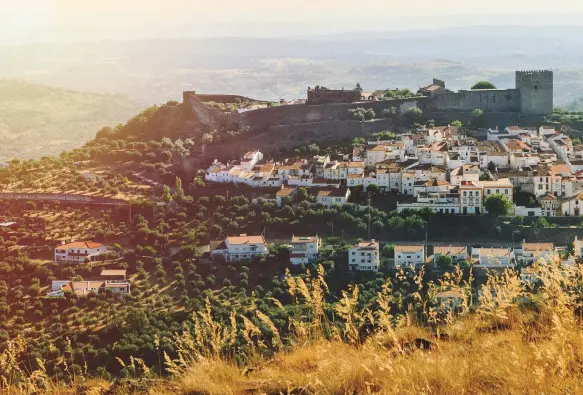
(536, 91)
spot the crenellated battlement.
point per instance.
(534, 72)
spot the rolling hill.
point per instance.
(38, 120)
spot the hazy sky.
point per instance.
(78, 20)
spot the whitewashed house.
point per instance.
(364, 256)
(457, 253)
(329, 197)
(494, 257)
(79, 252)
(532, 252)
(406, 255)
(304, 249)
(240, 248)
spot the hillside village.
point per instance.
(442, 168)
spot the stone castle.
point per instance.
(326, 113)
(533, 95)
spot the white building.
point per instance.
(443, 203)
(471, 198)
(79, 251)
(81, 288)
(330, 197)
(304, 249)
(494, 257)
(406, 255)
(457, 253)
(532, 252)
(250, 159)
(241, 248)
(364, 256)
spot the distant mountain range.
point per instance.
(152, 71)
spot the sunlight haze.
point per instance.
(67, 20)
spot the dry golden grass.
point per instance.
(512, 342)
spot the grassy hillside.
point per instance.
(38, 120)
(512, 339)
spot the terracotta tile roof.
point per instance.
(380, 148)
(450, 250)
(495, 252)
(538, 246)
(81, 244)
(368, 245)
(548, 196)
(113, 272)
(355, 164)
(408, 248)
(246, 239)
(285, 192)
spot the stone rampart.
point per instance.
(488, 100)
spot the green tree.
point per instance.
(498, 204)
(412, 115)
(166, 196)
(302, 194)
(358, 141)
(373, 189)
(389, 112)
(178, 191)
(358, 88)
(484, 85)
(444, 262)
(457, 124)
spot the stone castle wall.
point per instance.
(488, 100)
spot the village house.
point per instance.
(406, 255)
(471, 198)
(330, 197)
(79, 252)
(82, 288)
(493, 257)
(532, 252)
(442, 202)
(364, 256)
(457, 253)
(468, 172)
(285, 194)
(304, 249)
(240, 248)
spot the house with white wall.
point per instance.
(332, 196)
(533, 252)
(364, 256)
(79, 252)
(494, 257)
(240, 248)
(406, 255)
(457, 253)
(304, 249)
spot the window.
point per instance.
(506, 191)
(497, 191)
(465, 193)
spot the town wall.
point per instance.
(485, 99)
(288, 137)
